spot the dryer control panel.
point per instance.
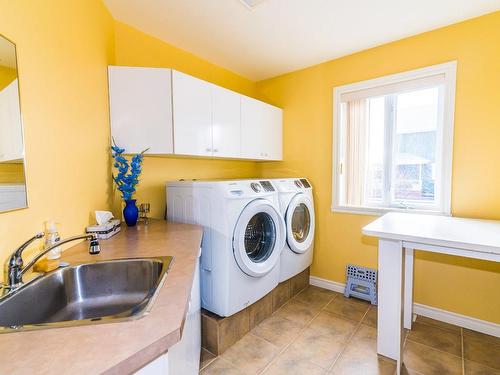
(267, 185)
(250, 188)
(292, 184)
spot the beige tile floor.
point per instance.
(321, 332)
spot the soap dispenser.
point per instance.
(52, 237)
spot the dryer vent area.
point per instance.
(219, 333)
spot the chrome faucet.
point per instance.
(15, 265)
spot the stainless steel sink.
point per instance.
(88, 293)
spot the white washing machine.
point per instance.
(297, 207)
(244, 234)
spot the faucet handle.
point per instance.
(94, 247)
(18, 252)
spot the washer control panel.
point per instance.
(256, 187)
(267, 185)
(305, 183)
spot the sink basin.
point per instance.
(87, 293)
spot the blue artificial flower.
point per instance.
(128, 174)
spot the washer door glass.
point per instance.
(260, 237)
(301, 223)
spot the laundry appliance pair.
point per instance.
(257, 233)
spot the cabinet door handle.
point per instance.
(216, 150)
(209, 150)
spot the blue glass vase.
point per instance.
(130, 212)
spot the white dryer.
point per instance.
(297, 207)
(244, 234)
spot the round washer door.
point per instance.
(258, 238)
(300, 223)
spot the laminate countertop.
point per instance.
(122, 347)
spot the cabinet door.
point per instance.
(159, 366)
(261, 130)
(140, 101)
(184, 357)
(273, 127)
(11, 130)
(192, 107)
(252, 129)
(226, 122)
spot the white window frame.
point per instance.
(449, 70)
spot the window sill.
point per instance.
(375, 211)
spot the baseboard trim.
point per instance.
(464, 321)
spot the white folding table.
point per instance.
(399, 234)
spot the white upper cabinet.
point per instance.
(11, 130)
(141, 109)
(226, 123)
(273, 127)
(252, 134)
(192, 103)
(171, 112)
(261, 130)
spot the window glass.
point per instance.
(393, 142)
(415, 156)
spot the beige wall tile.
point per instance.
(260, 310)
(281, 294)
(233, 328)
(299, 282)
(209, 334)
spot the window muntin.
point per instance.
(392, 142)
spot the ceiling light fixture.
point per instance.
(250, 4)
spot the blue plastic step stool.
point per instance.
(361, 283)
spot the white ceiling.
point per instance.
(279, 36)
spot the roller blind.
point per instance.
(392, 88)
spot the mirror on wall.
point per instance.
(12, 172)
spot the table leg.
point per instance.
(408, 294)
(390, 300)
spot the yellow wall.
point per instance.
(134, 48)
(454, 284)
(7, 75)
(12, 173)
(63, 52)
